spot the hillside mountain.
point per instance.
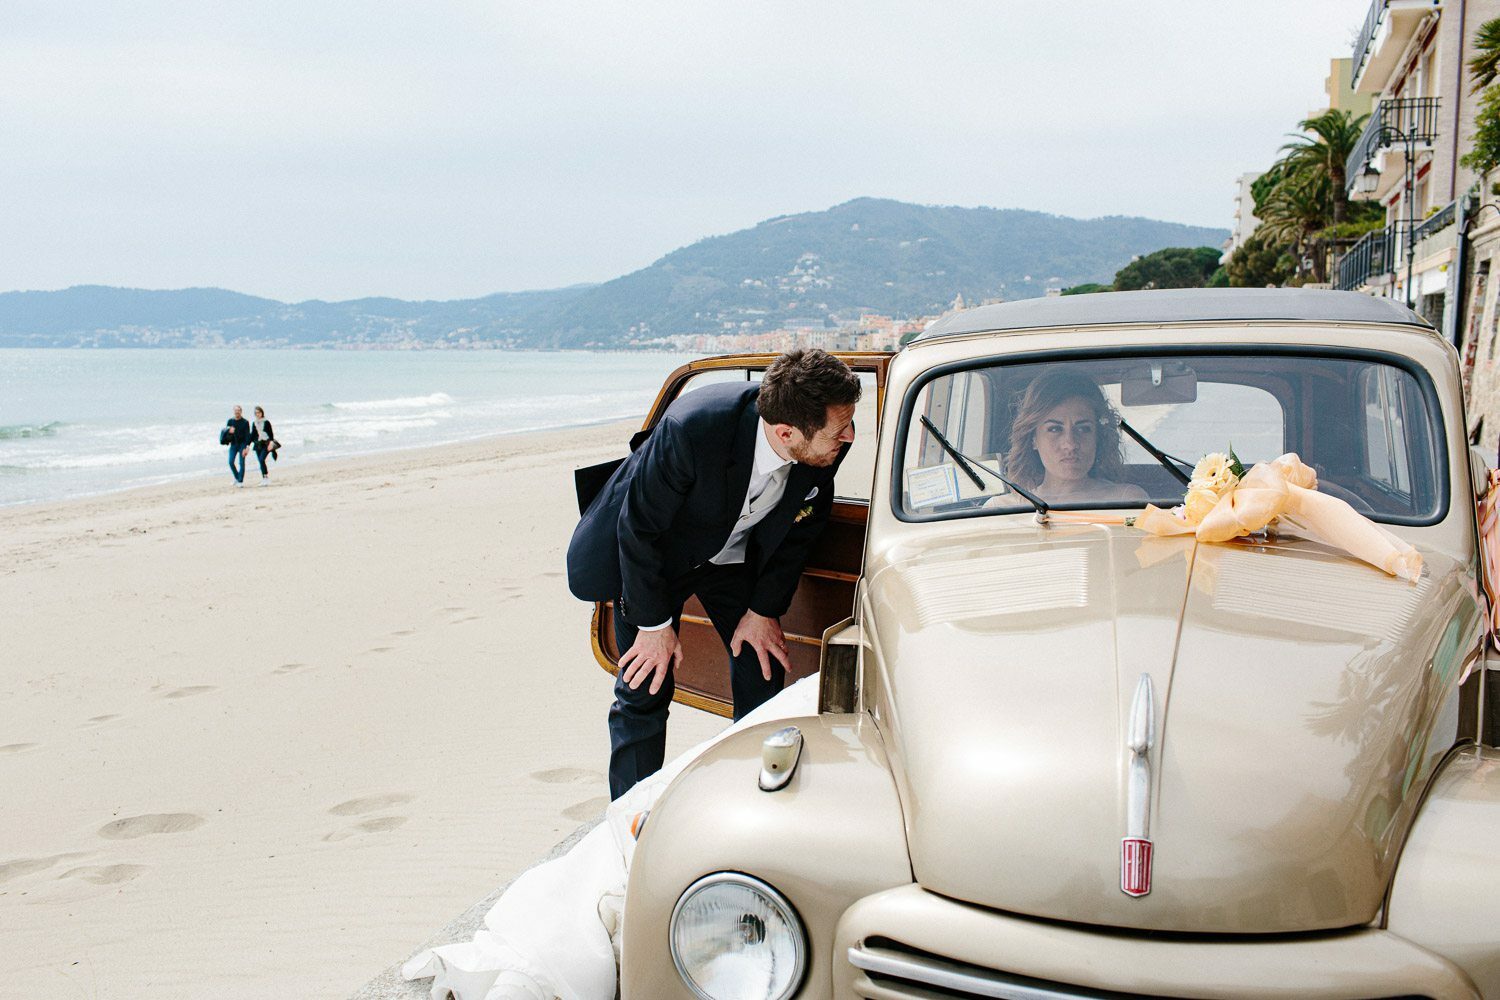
(95, 316)
(817, 268)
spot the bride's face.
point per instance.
(1066, 440)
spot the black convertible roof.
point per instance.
(1177, 305)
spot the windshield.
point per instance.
(1062, 430)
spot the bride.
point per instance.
(554, 934)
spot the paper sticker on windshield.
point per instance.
(933, 485)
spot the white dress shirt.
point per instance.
(768, 476)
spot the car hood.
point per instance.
(1300, 700)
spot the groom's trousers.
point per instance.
(638, 718)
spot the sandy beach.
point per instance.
(262, 742)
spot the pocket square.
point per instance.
(812, 494)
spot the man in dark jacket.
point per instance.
(723, 501)
(239, 443)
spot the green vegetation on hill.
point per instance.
(1174, 267)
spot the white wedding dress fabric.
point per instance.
(555, 932)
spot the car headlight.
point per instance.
(736, 938)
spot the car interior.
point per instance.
(1367, 425)
(826, 594)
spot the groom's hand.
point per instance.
(651, 655)
(764, 636)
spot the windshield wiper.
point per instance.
(967, 464)
(1167, 461)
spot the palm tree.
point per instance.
(1486, 65)
(1304, 191)
(1290, 215)
(1316, 162)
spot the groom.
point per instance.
(723, 500)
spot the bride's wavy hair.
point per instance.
(1048, 390)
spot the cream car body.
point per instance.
(1322, 807)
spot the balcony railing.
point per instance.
(1392, 122)
(1436, 223)
(1367, 34)
(1389, 26)
(1375, 254)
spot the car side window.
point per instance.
(1382, 399)
(857, 472)
(964, 408)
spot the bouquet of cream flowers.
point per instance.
(1214, 477)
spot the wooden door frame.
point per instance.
(875, 362)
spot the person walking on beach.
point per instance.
(263, 439)
(724, 500)
(239, 444)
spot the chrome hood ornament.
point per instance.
(1136, 847)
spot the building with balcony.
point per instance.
(1410, 58)
(1245, 222)
(1339, 86)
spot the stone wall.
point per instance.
(1479, 324)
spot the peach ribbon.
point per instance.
(1489, 545)
(1287, 488)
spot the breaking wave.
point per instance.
(15, 432)
(399, 403)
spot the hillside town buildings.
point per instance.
(871, 332)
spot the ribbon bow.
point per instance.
(1284, 487)
(1489, 545)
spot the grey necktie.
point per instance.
(760, 505)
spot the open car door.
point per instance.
(826, 594)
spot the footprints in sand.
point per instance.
(457, 616)
(109, 874)
(369, 804)
(188, 692)
(587, 810)
(149, 824)
(565, 775)
(580, 812)
(363, 806)
(378, 825)
(30, 866)
(105, 874)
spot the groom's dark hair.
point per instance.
(801, 385)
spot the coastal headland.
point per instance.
(261, 742)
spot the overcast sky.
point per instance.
(453, 148)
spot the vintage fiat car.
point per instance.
(1058, 756)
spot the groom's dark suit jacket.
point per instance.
(671, 506)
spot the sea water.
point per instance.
(80, 422)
